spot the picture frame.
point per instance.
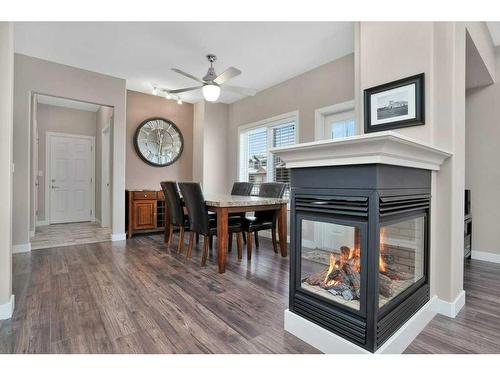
(394, 105)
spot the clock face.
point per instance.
(158, 142)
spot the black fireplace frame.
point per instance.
(391, 193)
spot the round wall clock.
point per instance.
(158, 142)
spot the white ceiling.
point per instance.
(143, 53)
(67, 103)
(494, 28)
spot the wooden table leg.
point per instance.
(222, 238)
(282, 231)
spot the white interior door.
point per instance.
(105, 178)
(70, 179)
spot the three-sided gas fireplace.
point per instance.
(359, 248)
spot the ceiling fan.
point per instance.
(211, 83)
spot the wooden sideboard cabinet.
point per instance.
(146, 211)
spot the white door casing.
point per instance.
(70, 177)
(106, 177)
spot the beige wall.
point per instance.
(141, 107)
(210, 139)
(481, 163)
(6, 102)
(394, 50)
(481, 37)
(328, 84)
(104, 117)
(198, 119)
(61, 120)
(32, 75)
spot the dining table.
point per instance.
(224, 204)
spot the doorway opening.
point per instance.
(71, 158)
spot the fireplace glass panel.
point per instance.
(330, 261)
(401, 262)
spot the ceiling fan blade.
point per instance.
(229, 73)
(240, 90)
(187, 75)
(178, 91)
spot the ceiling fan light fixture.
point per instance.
(211, 92)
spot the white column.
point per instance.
(6, 120)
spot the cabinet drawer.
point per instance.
(144, 194)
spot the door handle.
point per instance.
(55, 187)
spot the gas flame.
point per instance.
(331, 267)
(381, 263)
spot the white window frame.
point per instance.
(321, 114)
(269, 123)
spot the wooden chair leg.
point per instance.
(239, 244)
(249, 245)
(190, 247)
(170, 234)
(256, 235)
(206, 241)
(181, 240)
(275, 244)
(230, 243)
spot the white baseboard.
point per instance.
(7, 309)
(118, 237)
(40, 223)
(21, 248)
(486, 256)
(330, 343)
(450, 309)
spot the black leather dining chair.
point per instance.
(239, 188)
(242, 188)
(175, 212)
(263, 220)
(199, 221)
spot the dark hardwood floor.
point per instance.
(476, 329)
(135, 297)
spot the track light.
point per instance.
(168, 96)
(179, 101)
(155, 90)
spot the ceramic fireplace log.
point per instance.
(385, 286)
(395, 274)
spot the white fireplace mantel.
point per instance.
(383, 147)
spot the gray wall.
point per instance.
(104, 117)
(6, 102)
(45, 77)
(61, 120)
(141, 107)
(328, 84)
(482, 173)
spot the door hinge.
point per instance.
(91, 212)
(90, 179)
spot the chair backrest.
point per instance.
(173, 201)
(197, 209)
(242, 188)
(270, 190)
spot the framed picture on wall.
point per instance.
(393, 105)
